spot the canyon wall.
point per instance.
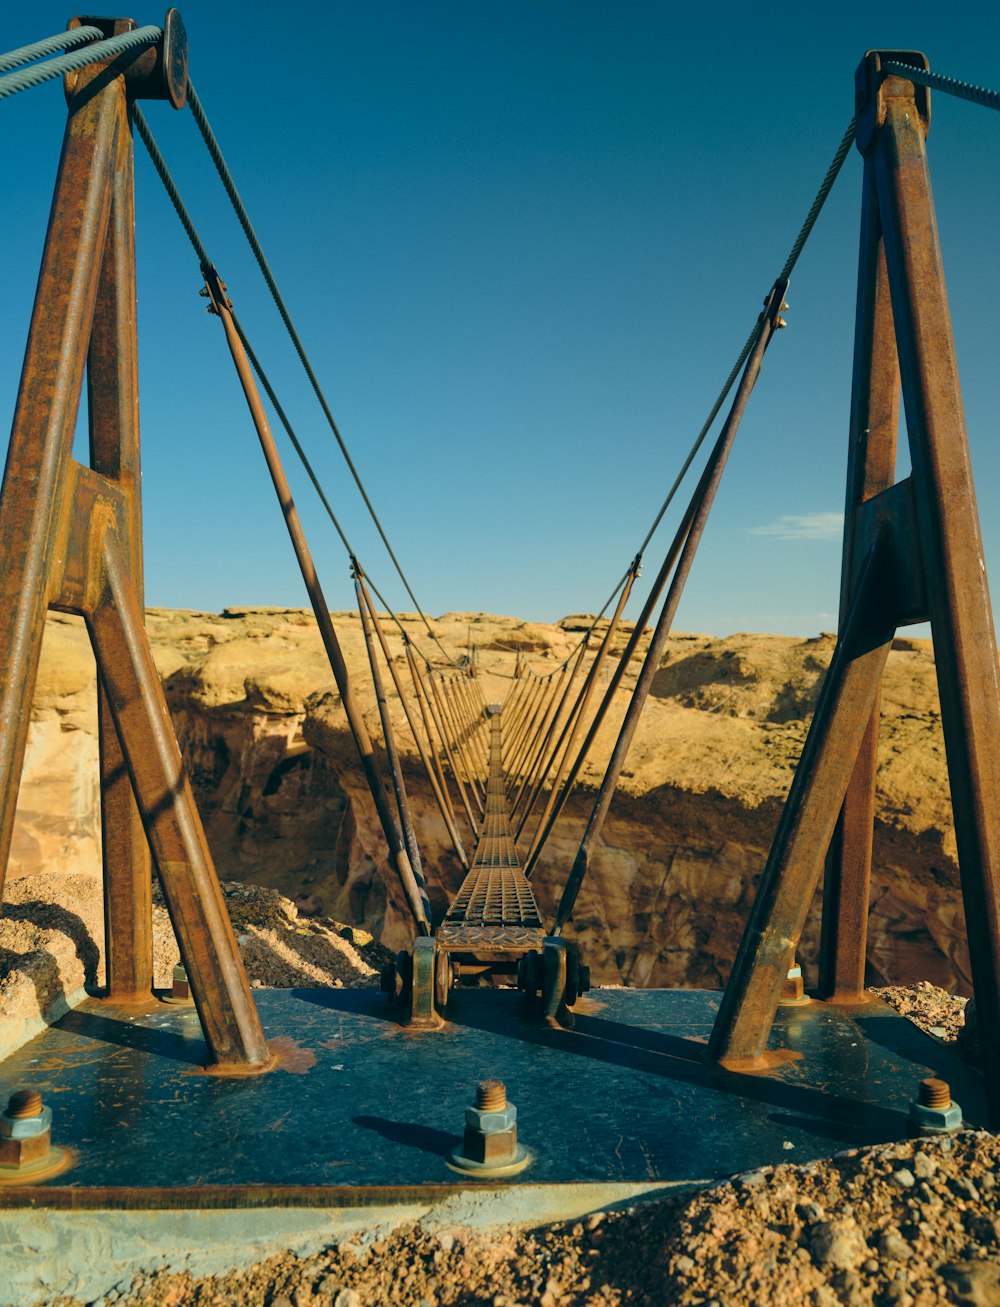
(265, 737)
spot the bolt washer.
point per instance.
(456, 1161)
(55, 1162)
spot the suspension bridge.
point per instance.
(500, 772)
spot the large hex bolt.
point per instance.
(25, 1130)
(932, 1112)
(180, 987)
(490, 1147)
(793, 992)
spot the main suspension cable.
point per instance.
(68, 63)
(949, 85)
(25, 54)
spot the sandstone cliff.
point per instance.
(264, 735)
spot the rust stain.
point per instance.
(586, 1006)
(770, 1060)
(290, 1056)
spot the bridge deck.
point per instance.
(495, 907)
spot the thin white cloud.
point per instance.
(808, 526)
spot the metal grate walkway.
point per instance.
(495, 896)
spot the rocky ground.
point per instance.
(906, 1225)
(899, 1225)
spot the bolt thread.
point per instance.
(24, 1103)
(491, 1096)
(935, 1093)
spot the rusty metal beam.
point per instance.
(190, 885)
(948, 522)
(113, 402)
(795, 863)
(70, 539)
(32, 501)
(691, 531)
(923, 557)
(444, 807)
(871, 469)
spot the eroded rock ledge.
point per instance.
(265, 737)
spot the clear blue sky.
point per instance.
(524, 243)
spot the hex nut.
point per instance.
(935, 1120)
(26, 1139)
(491, 1123)
(26, 1127)
(490, 1149)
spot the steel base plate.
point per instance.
(357, 1102)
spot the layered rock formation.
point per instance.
(265, 737)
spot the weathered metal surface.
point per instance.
(33, 499)
(871, 469)
(487, 940)
(373, 1106)
(113, 402)
(929, 563)
(158, 72)
(950, 541)
(807, 823)
(176, 836)
(70, 539)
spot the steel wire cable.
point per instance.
(159, 163)
(263, 378)
(24, 78)
(798, 245)
(793, 257)
(949, 85)
(226, 177)
(590, 629)
(25, 54)
(311, 473)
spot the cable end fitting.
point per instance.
(871, 86)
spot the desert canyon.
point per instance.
(265, 738)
